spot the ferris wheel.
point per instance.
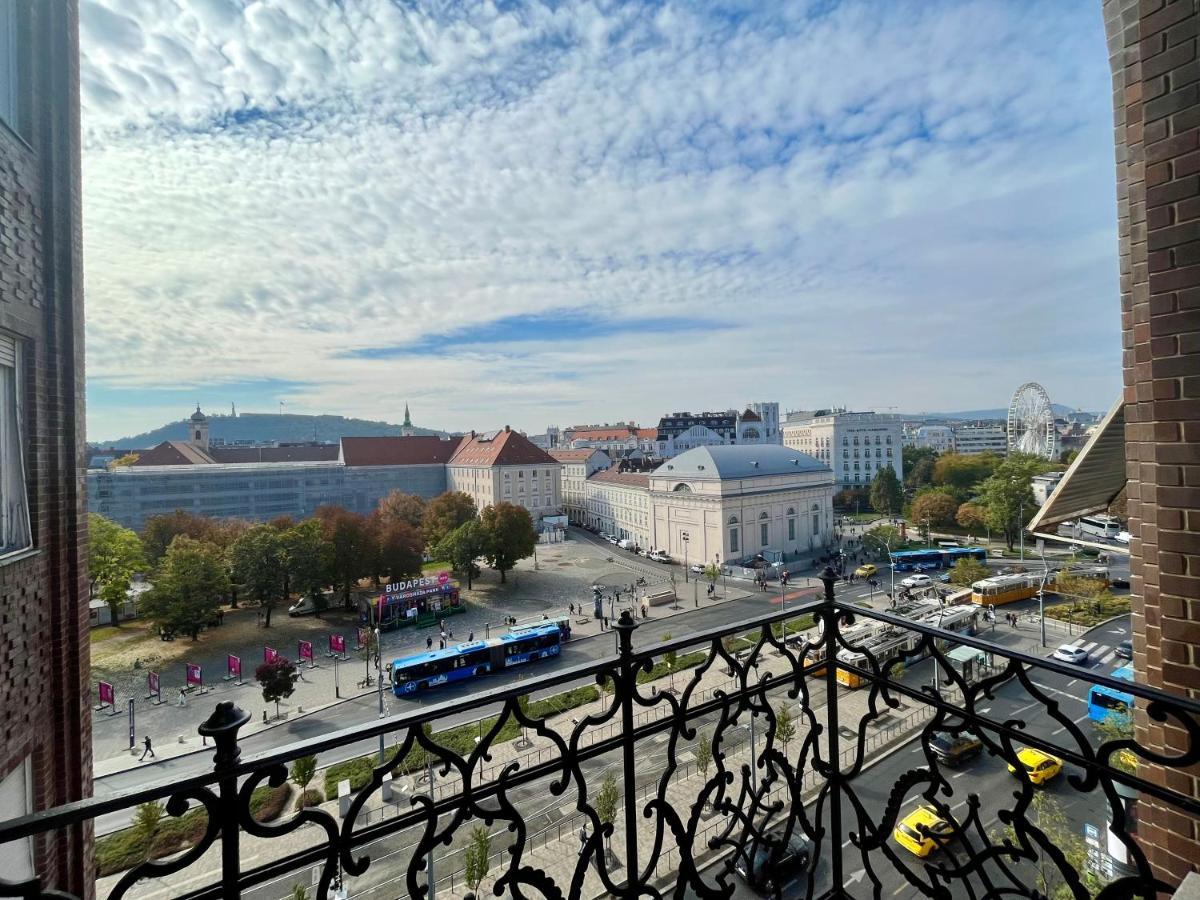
(1031, 422)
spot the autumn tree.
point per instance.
(160, 530)
(446, 512)
(938, 507)
(971, 516)
(277, 679)
(398, 506)
(189, 582)
(510, 536)
(114, 557)
(463, 547)
(399, 548)
(353, 548)
(257, 561)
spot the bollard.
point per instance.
(344, 797)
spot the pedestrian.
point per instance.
(428, 642)
(183, 696)
(470, 637)
(149, 750)
(583, 836)
(442, 644)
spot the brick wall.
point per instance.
(44, 712)
(1156, 103)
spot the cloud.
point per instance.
(852, 202)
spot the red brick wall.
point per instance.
(44, 691)
(1156, 101)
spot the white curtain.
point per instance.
(14, 509)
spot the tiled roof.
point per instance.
(319, 453)
(618, 433)
(504, 447)
(416, 450)
(651, 433)
(581, 455)
(174, 453)
(626, 479)
(751, 416)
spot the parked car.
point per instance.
(916, 581)
(923, 830)
(1125, 649)
(944, 578)
(305, 606)
(1040, 767)
(659, 556)
(1071, 654)
(955, 749)
(765, 868)
(697, 568)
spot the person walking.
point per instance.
(183, 696)
(428, 642)
(149, 750)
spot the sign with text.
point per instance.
(414, 584)
(107, 694)
(363, 637)
(269, 654)
(154, 685)
(235, 666)
(195, 677)
(337, 644)
(305, 650)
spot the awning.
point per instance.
(966, 654)
(1092, 482)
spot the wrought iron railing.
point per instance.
(754, 750)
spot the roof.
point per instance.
(414, 450)
(198, 416)
(625, 479)
(581, 455)
(751, 416)
(173, 453)
(1093, 480)
(500, 448)
(298, 453)
(739, 461)
(651, 433)
(615, 433)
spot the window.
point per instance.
(11, 68)
(14, 506)
(733, 534)
(764, 529)
(791, 517)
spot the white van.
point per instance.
(303, 607)
(625, 544)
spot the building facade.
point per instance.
(731, 503)
(939, 438)
(577, 466)
(45, 743)
(983, 437)
(618, 503)
(504, 466)
(855, 445)
(768, 414)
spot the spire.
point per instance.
(407, 418)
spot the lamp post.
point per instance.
(379, 678)
(684, 536)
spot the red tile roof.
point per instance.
(580, 455)
(627, 479)
(751, 416)
(651, 433)
(616, 433)
(415, 450)
(174, 453)
(500, 448)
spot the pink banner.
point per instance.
(363, 635)
(235, 666)
(269, 654)
(337, 643)
(153, 684)
(305, 650)
(194, 675)
(107, 694)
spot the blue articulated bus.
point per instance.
(458, 663)
(951, 555)
(941, 557)
(1106, 702)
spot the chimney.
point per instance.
(507, 429)
(472, 434)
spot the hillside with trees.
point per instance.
(288, 428)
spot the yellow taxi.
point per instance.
(865, 571)
(1039, 767)
(923, 830)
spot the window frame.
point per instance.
(14, 345)
(14, 69)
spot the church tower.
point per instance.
(198, 430)
(407, 428)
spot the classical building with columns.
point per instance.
(729, 503)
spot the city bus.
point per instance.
(1109, 703)
(951, 555)
(916, 560)
(1100, 526)
(463, 661)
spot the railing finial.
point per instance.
(624, 627)
(828, 577)
(223, 726)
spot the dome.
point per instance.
(738, 461)
(198, 416)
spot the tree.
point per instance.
(159, 531)
(704, 755)
(510, 536)
(918, 466)
(188, 586)
(446, 512)
(971, 516)
(962, 472)
(462, 547)
(1008, 497)
(1068, 456)
(399, 548)
(479, 847)
(398, 506)
(277, 679)
(122, 461)
(880, 539)
(147, 818)
(671, 658)
(966, 572)
(855, 499)
(712, 573)
(886, 494)
(349, 536)
(607, 801)
(299, 892)
(785, 728)
(258, 562)
(305, 558)
(304, 770)
(939, 507)
(114, 557)
(1051, 820)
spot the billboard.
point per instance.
(269, 654)
(195, 677)
(305, 651)
(107, 694)
(234, 663)
(337, 644)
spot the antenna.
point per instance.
(282, 403)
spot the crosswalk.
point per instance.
(1098, 654)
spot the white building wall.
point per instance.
(537, 488)
(855, 445)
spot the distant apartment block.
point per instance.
(983, 437)
(577, 467)
(939, 438)
(503, 466)
(855, 445)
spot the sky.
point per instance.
(559, 213)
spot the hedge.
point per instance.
(310, 797)
(1089, 612)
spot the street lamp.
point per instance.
(379, 678)
(684, 536)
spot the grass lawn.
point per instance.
(104, 632)
(1089, 612)
(435, 566)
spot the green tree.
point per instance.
(399, 548)
(785, 728)
(962, 472)
(510, 536)
(704, 755)
(352, 548)
(966, 572)
(305, 557)
(188, 586)
(147, 818)
(918, 466)
(938, 506)
(1068, 456)
(712, 574)
(887, 496)
(463, 547)
(971, 516)
(258, 563)
(1008, 497)
(880, 538)
(608, 799)
(277, 679)
(299, 892)
(304, 770)
(479, 848)
(398, 506)
(160, 530)
(446, 512)
(852, 500)
(114, 557)
(1048, 817)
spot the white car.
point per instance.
(1067, 653)
(697, 568)
(916, 581)
(659, 556)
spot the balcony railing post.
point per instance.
(628, 685)
(828, 577)
(222, 726)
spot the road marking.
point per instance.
(958, 775)
(1016, 712)
(1072, 682)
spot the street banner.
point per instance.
(305, 651)
(269, 654)
(132, 726)
(155, 687)
(234, 665)
(337, 644)
(195, 677)
(363, 638)
(107, 695)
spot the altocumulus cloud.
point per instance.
(523, 211)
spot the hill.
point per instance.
(263, 427)
(974, 414)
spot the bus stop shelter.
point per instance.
(970, 662)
